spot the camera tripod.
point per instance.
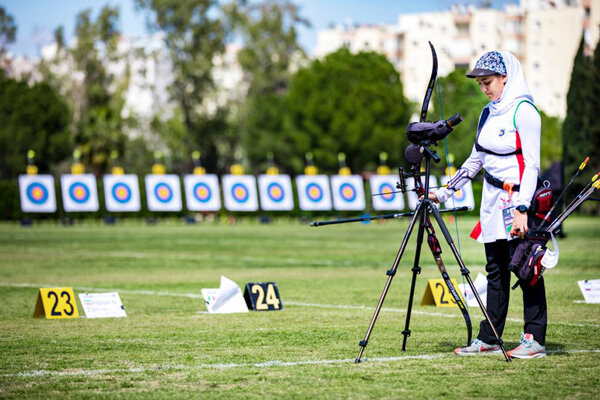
(421, 215)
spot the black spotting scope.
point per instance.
(417, 132)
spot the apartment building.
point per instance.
(544, 35)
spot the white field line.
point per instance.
(287, 302)
(266, 364)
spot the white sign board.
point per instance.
(239, 193)
(227, 299)
(462, 198)
(383, 196)
(163, 193)
(121, 193)
(202, 192)
(102, 305)
(412, 196)
(313, 192)
(590, 290)
(79, 192)
(275, 192)
(348, 192)
(480, 284)
(37, 193)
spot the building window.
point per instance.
(463, 28)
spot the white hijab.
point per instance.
(516, 88)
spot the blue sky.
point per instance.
(36, 20)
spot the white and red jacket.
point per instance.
(517, 128)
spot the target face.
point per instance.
(314, 192)
(383, 191)
(37, 193)
(121, 193)
(461, 198)
(387, 192)
(347, 192)
(239, 191)
(163, 193)
(460, 195)
(275, 192)
(79, 193)
(202, 192)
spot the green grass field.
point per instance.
(329, 278)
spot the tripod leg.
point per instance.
(465, 272)
(416, 270)
(436, 250)
(390, 273)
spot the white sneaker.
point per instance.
(477, 347)
(529, 348)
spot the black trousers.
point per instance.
(535, 315)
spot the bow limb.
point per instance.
(429, 92)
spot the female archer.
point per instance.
(507, 147)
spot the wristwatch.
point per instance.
(522, 208)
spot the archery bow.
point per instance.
(422, 190)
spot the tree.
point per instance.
(32, 118)
(8, 30)
(194, 36)
(351, 103)
(576, 143)
(551, 142)
(99, 98)
(270, 50)
(96, 94)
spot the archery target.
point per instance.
(79, 192)
(239, 193)
(121, 193)
(313, 192)
(275, 192)
(385, 187)
(462, 198)
(37, 193)
(412, 196)
(163, 193)
(348, 192)
(202, 192)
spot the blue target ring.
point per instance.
(79, 192)
(387, 192)
(121, 193)
(37, 193)
(347, 192)
(275, 192)
(202, 192)
(314, 192)
(240, 192)
(163, 192)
